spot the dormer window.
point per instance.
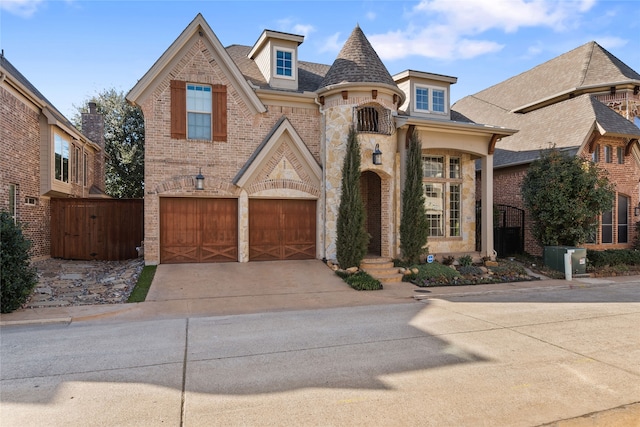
(430, 99)
(284, 63)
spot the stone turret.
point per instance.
(358, 91)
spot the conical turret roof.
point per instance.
(357, 62)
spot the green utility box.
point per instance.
(554, 258)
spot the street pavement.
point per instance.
(556, 353)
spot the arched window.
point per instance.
(373, 118)
(367, 120)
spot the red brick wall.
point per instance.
(176, 160)
(626, 176)
(20, 165)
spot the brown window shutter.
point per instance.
(219, 112)
(178, 109)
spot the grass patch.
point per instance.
(139, 292)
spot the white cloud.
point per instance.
(331, 44)
(303, 30)
(371, 16)
(288, 25)
(23, 8)
(445, 29)
(610, 43)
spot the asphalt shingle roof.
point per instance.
(357, 62)
(564, 124)
(587, 65)
(310, 74)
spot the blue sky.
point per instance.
(73, 49)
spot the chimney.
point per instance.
(93, 128)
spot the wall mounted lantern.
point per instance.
(200, 180)
(636, 210)
(377, 155)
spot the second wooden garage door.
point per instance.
(282, 229)
(198, 230)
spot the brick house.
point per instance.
(584, 102)
(244, 149)
(42, 155)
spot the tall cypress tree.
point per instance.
(352, 236)
(413, 223)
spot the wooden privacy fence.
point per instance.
(101, 229)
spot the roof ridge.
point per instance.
(587, 62)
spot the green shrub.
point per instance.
(17, 276)
(465, 260)
(613, 257)
(360, 281)
(470, 270)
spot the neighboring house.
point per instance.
(244, 148)
(42, 155)
(584, 102)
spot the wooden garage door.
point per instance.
(198, 230)
(282, 229)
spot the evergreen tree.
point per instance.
(564, 195)
(413, 223)
(124, 143)
(352, 236)
(17, 276)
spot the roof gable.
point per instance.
(282, 156)
(197, 28)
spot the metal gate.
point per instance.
(508, 229)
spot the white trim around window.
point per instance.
(430, 99)
(284, 63)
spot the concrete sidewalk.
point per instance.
(505, 356)
(197, 290)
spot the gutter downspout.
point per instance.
(323, 155)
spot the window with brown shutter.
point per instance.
(179, 117)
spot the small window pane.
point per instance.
(607, 154)
(61, 160)
(454, 167)
(284, 63)
(199, 126)
(422, 98)
(434, 207)
(438, 100)
(620, 155)
(607, 227)
(623, 219)
(596, 154)
(432, 166)
(454, 210)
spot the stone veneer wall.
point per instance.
(339, 118)
(171, 165)
(467, 241)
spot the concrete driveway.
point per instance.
(195, 290)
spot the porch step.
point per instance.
(381, 269)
